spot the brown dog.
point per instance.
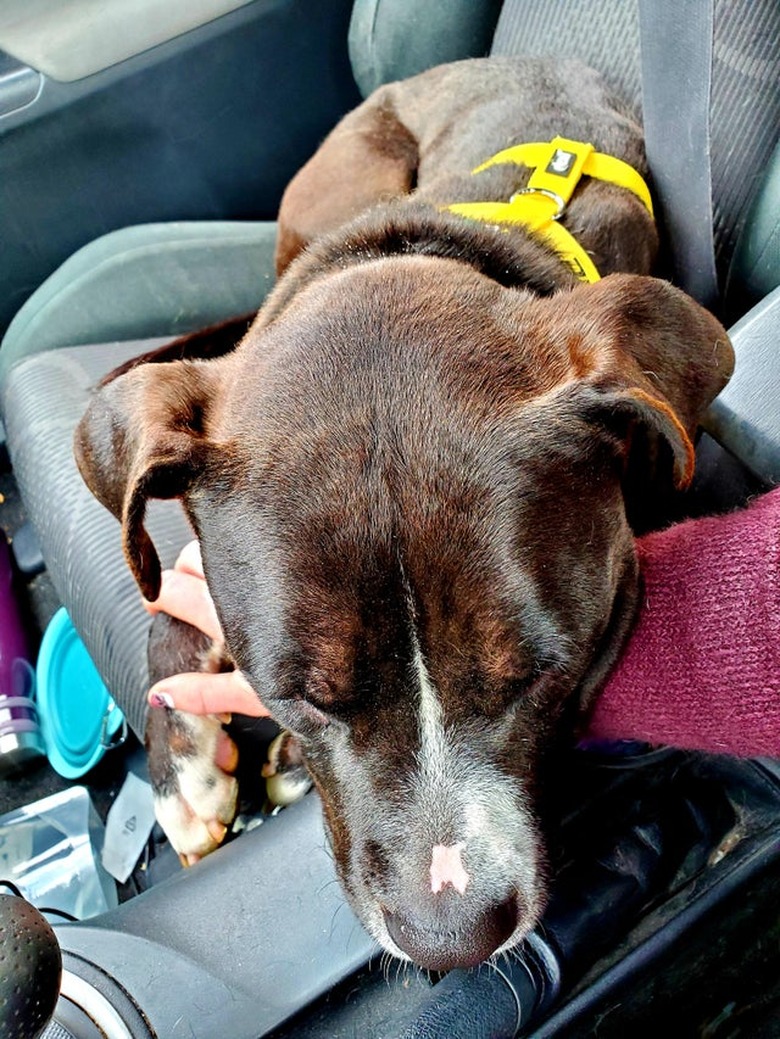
(412, 482)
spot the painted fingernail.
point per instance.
(217, 830)
(161, 699)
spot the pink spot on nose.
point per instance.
(447, 868)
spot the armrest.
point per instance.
(745, 418)
(232, 947)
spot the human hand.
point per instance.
(184, 594)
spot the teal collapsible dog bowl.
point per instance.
(79, 719)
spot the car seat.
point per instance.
(138, 287)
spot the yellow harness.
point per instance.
(557, 167)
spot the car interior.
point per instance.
(144, 148)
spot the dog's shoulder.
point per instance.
(421, 140)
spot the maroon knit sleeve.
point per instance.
(702, 667)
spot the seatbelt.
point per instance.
(676, 61)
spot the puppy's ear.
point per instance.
(369, 157)
(647, 361)
(144, 435)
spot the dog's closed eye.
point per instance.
(491, 699)
(312, 714)
(325, 699)
(300, 715)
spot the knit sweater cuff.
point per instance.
(702, 666)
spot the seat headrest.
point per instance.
(393, 39)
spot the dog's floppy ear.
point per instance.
(369, 157)
(646, 362)
(144, 436)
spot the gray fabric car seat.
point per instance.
(105, 303)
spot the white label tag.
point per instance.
(129, 823)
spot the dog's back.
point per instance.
(421, 138)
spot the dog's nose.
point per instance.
(465, 945)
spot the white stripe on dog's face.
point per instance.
(433, 758)
(469, 803)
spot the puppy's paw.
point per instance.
(191, 761)
(286, 777)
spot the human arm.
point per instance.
(702, 666)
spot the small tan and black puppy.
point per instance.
(414, 483)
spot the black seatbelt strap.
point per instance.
(676, 44)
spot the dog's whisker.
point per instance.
(327, 846)
(401, 968)
(328, 883)
(336, 912)
(386, 963)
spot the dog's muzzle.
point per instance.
(463, 941)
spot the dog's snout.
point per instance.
(443, 947)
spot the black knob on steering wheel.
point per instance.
(30, 969)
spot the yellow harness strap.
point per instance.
(557, 167)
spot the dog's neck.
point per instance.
(613, 218)
(557, 167)
(514, 258)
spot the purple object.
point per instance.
(20, 736)
(701, 669)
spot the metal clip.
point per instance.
(548, 194)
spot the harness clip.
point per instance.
(559, 202)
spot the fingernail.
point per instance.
(217, 830)
(161, 699)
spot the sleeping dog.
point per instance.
(414, 481)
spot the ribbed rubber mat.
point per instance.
(43, 399)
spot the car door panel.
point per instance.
(208, 125)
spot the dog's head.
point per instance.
(410, 489)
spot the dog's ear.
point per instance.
(369, 157)
(144, 435)
(645, 362)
